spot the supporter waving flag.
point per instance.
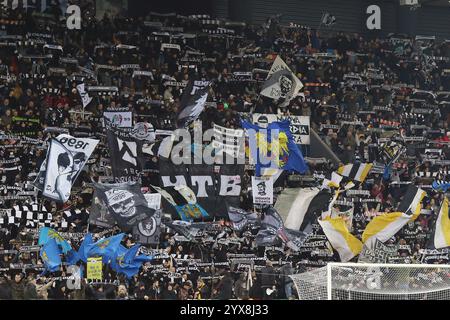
(124, 261)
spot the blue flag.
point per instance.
(50, 254)
(45, 234)
(440, 185)
(124, 261)
(282, 153)
(84, 248)
(387, 173)
(143, 258)
(189, 212)
(106, 248)
(72, 257)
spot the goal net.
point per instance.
(361, 281)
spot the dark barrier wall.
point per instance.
(143, 7)
(351, 15)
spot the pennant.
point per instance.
(126, 155)
(148, 230)
(65, 159)
(46, 234)
(305, 208)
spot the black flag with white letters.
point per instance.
(126, 155)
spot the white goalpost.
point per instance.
(377, 281)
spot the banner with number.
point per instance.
(65, 159)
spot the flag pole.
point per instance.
(320, 24)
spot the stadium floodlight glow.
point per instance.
(374, 281)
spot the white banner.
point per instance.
(228, 140)
(170, 46)
(66, 158)
(123, 119)
(262, 190)
(153, 200)
(300, 125)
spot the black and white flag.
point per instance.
(148, 230)
(328, 19)
(125, 202)
(192, 102)
(241, 218)
(281, 83)
(85, 99)
(126, 155)
(391, 151)
(262, 190)
(99, 214)
(65, 159)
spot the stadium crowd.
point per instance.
(359, 91)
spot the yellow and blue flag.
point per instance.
(45, 234)
(106, 248)
(125, 262)
(189, 212)
(274, 147)
(50, 255)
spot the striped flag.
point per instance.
(384, 226)
(346, 244)
(334, 182)
(355, 172)
(307, 205)
(442, 228)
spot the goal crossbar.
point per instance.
(374, 281)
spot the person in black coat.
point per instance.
(268, 278)
(169, 293)
(5, 290)
(225, 287)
